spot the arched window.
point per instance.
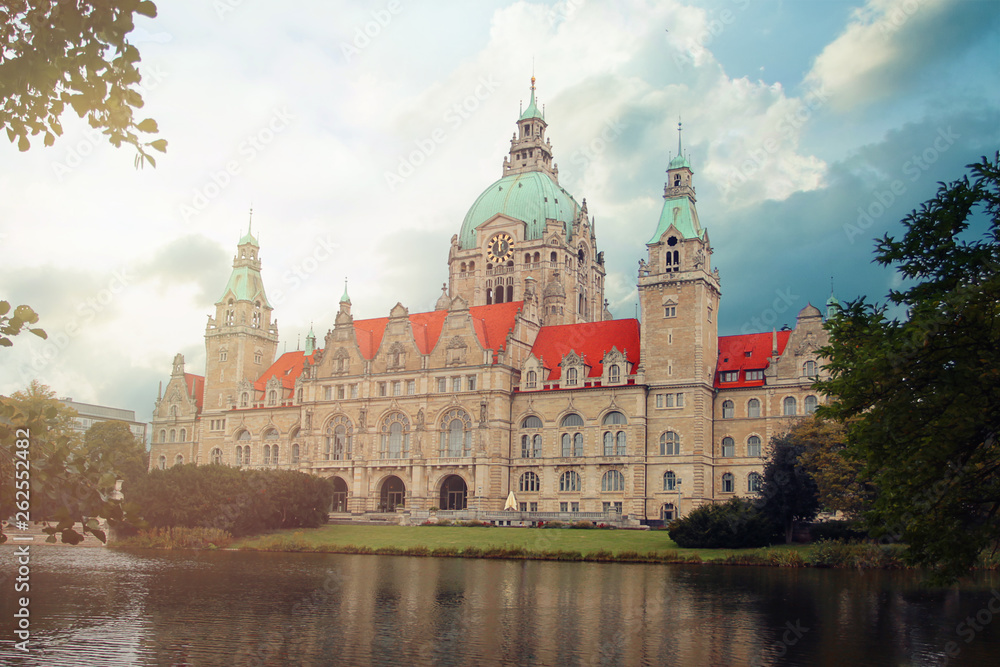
(163, 462)
(809, 405)
(670, 444)
(339, 434)
(728, 410)
(753, 482)
(271, 434)
(173, 435)
(217, 456)
(456, 433)
(753, 408)
(272, 397)
(571, 377)
(529, 483)
(615, 373)
(246, 455)
(622, 443)
(531, 421)
(244, 399)
(239, 455)
(163, 435)
(727, 482)
(179, 460)
(243, 435)
(570, 481)
(395, 436)
(267, 455)
(669, 481)
(809, 369)
(788, 406)
(295, 453)
(572, 419)
(614, 418)
(552, 257)
(274, 454)
(753, 446)
(531, 445)
(184, 435)
(613, 480)
(532, 380)
(609, 444)
(728, 446)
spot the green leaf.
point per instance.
(160, 145)
(4, 307)
(40, 333)
(49, 139)
(23, 144)
(148, 125)
(146, 8)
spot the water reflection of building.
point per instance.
(518, 380)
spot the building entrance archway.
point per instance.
(339, 495)
(393, 494)
(454, 492)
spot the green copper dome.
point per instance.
(530, 197)
(679, 162)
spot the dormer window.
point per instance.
(615, 374)
(572, 377)
(532, 380)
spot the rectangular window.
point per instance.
(574, 507)
(659, 400)
(411, 387)
(456, 384)
(470, 383)
(563, 507)
(327, 393)
(730, 376)
(340, 392)
(354, 391)
(397, 388)
(680, 401)
(755, 375)
(442, 385)
(383, 389)
(523, 507)
(670, 311)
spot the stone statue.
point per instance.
(362, 414)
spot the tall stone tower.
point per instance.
(526, 225)
(679, 295)
(241, 340)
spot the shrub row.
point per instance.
(735, 524)
(241, 502)
(178, 538)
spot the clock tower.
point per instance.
(526, 225)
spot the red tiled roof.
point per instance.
(491, 324)
(196, 387)
(733, 356)
(590, 340)
(286, 368)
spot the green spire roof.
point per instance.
(832, 306)
(345, 298)
(532, 110)
(679, 212)
(248, 238)
(310, 341)
(245, 284)
(680, 161)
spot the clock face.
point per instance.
(501, 248)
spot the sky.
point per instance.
(361, 133)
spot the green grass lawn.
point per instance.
(431, 537)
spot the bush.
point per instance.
(582, 524)
(241, 502)
(835, 530)
(735, 524)
(859, 555)
(552, 524)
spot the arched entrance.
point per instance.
(393, 494)
(339, 495)
(668, 513)
(453, 493)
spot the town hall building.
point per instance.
(518, 382)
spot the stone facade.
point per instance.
(519, 380)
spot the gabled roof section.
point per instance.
(590, 340)
(195, 387)
(287, 368)
(747, 352)
(491, 324)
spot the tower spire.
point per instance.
(679, 150)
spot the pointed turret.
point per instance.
(529, 149)
(310, 341)
(832, 305)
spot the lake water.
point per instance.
(106, 607)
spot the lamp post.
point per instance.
(678, 487)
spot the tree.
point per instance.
(11, 324)
(734, 524)
(787, 493)
(76, 54)
(838, 484)
(66, 487)
(920, 396)
(112, 446)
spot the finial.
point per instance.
(250, 223)
(679, 136)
